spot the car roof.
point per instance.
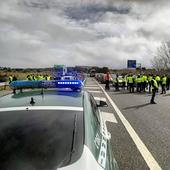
(47, 97)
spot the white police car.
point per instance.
(49, 130)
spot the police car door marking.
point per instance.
(103, 146)
(109, 117)
(97, 141)
(103, 153)
(42, 108)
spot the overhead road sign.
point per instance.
(131, 63)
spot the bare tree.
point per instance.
(161, 60)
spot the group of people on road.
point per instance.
(32, 77)
(140, 83)
(12, 78)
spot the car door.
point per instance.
(105, 157)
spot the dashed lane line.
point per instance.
(96, 88)
(100, 98)
(109, 117)
(149, 159)
(91, 86)
(93, 91)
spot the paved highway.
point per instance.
(140, 131)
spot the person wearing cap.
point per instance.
(10, 79)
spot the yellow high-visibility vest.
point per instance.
(155, 84)
(164, 79)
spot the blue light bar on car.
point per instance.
(72, 84)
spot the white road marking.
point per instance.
(93, 91)
(97, 88)
(149, 159)
(41, 108)
(100, 98)
(91, 86)
(109, 117)
(4, 84)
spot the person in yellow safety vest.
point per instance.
(34, 77)
(29, 77)
(138, 83)
(158, 79)
(155, 87)
(149, 82)
(127, 81)
(48, 77)
(144, 77)
(143, 82)
(10, 79)
(39, 77)
(163, 84)
(131, 83)
(123, 82)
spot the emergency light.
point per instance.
(24, 84)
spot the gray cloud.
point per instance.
(41, 33)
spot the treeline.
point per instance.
(8, 69)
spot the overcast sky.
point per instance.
(41, 33)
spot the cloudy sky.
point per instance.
(41, 33)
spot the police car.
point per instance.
(46, 128)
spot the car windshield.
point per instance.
(40, 140)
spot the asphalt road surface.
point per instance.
(140, 131)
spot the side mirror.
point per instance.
(102, 104)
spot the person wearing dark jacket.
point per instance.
(154, 86)
(168, 82)
(107, 80)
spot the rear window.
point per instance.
(40, 140)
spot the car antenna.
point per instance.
(74, 136)
(32, 102)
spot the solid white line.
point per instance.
(92, 91)
(149, 159)
(41, 108)
(108, 117)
